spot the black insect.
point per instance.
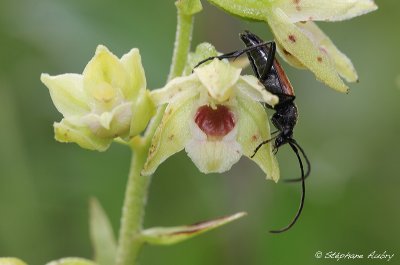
(270, 73)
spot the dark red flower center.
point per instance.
(215, 122)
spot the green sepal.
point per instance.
(252, 129)
(11, 261)
(189, 7)
(173, 235)
(101, 235)
(67, 131)
(247, 9)
(72, 261)
(296, 42)
(203, 51)
(142, 111)
(171, 134)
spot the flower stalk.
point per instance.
(130, 241)
(133, 210)
(183, 39)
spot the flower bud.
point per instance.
(108, 100)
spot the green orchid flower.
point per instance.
(11, 261)
(215, 115)
(72, 261)
(109, 100)
(299, 40)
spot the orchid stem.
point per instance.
(133, 210)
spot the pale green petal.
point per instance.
(327, 10)
(143, 109)
(342, 63)
(241, 62)
(173, 235)
(173, 132)
(251, 86)
(253, 128)
(213, 156)
(132, 63)
(70, 131)
(110, 124)
(218, 77)
(71, 261)
(105, 120)
(250, 9)
(67, 93)
(302, 47)
(174, 88)
(121, 122)
(11, 261)
(288, 57)
(105, 76)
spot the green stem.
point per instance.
(183, 39)
(133, 210)
(129, 243)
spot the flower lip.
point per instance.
(215, 122)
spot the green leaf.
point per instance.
(248, 9)
(172, 235)
(101, 235)
(71, 261)
(11, 261)
(189, 7)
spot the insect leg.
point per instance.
(270, 61)
(261, 144)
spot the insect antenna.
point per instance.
(294, 146)
(236, 54)
(307, 162)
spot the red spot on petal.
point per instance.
(254, 138)
(292, 38)
(215, 122)
(319, 58)
(286, 52)
(322, 49)
(297, 3)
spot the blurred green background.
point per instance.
(353, 199)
